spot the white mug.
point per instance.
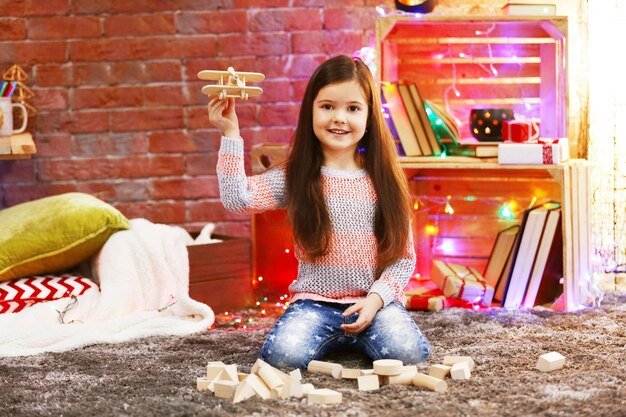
(6, 117)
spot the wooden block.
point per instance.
(328, 368)
(349, 373)
(439, 371)
(296, 374)
(230, 373)
(258, 386)
(550, 362)
(324, 396)
(451, 360)
(460, 370)
(22, 144)
(430, 382)
(388, 367)
(241, 376)
(368, 382)
(225, 389)
(243, 392)
(367, 371)
(405, 378)
(5, 145)
(202, 383)
(271, 377)
(292, 388)
(257, 365)
(306, 388)
(213, 369)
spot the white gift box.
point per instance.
(542, 152)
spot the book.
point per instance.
(392, 129)
(472, 147)
(418, 127)
(543, 285)
(428, 129)
(530, 236)
(498, 294)
(400, 119)
(500, 253)
(448, 130)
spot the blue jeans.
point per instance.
(309, 329)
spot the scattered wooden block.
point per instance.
(328, 368)
(367, 371)
(202, 383)
(214, 369)
(324, 396)
(460, 370)
(430, 382)
(243, 391)
(225, 389)
(368, 382)
(229, 373)
(439, 371)
(388, 367)
(258, 386)
(296, 374)
(405, 378)
(349, 373)
(451, 360)
(241, 376)
(271, 377)
(257, 365)
(306, 388)
(550, 362)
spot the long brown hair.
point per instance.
(306, 205)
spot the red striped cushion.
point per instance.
(17, 294)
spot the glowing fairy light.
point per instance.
(431, 229)
(260, 279)
(532, 202)
(505, 212)
(447, 246)
(448, 209)
(416, 206)
(287, 251)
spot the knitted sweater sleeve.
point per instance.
(242, 194)
(392, 281)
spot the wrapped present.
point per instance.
(520, 130)
(542, 152)
(461, 282)
(423, 294)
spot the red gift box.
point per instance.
(459, 281)
(520, 130)
(423, 294)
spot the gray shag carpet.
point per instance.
(156, 376)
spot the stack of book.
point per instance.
(526, 262)
(409, 120)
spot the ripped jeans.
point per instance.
(309, 329)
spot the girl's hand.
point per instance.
(222, 115)
(367, 310)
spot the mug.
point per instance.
(6, 117)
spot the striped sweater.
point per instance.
(347, 273)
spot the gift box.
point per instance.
(423, 294)
(541, 152)
(520, 130)
(461, 282)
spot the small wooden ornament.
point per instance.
(460, 370)
(324, 396)
(451, 360)
(368, 382)
(430, 382)
(439, 371)
(328, 368)
(550, 362)
(388, 367)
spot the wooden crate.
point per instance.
(220, 274)
(443, 53)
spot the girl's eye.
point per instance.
(327, 106)
(353, 108)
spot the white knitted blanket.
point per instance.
(144, 291)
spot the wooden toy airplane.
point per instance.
(232, 86)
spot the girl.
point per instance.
(348, 202)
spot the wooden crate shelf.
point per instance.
(17, 146)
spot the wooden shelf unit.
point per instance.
(17, 146)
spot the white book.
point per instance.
(525, 257)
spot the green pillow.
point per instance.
(54, 233)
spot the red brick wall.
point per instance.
(121, 115)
